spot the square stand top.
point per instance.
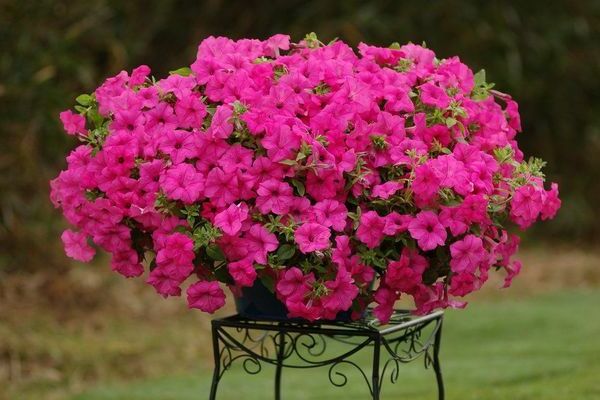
(368, 326)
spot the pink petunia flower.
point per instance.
(260, 242)
(148, 96)
(74, 124)
(277, 42)
(427, 230)
(206, 296)
(242, 272)
(462, 284)
(300, 209)
(293, 284)
(190, 111)
(453, 219)
(474, 209)
(310, 311)
(396, 223)
(512, 270)
(467, 254)
(221, 188)
(526, 205)
(230, 220)
(370, 230)
(325, 184)
(176, 255)
(221, 126)
(281, 143)
(264, 169)
(406, 274)
(342, 253)
(311, 237)
(433, 95)
(274, 196)
(426, 183)
(178, 144)
(386, 190)
(76, 246)
(385, 299)
(139, 75)
(164, 283)
(551, 203)
(180, 86)
(341, 293)
(236, 158)
(127, 263)
(128, 120)
(182, 182)
(331, 213)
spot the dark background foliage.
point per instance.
(544, 53)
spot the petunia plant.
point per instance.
(336, 178)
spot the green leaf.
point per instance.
(84, 99)
(286, 252)
(215, 252)
(269, 282)
(288, 162)
(299, 187)
(479, 78)
(95, 117)
(222, 275)
(180, 229)
(185, 71)
(80, 109)
(450, 122)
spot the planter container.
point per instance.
(258, 302)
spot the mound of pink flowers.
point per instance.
(337, 178)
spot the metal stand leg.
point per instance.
(375, 376)
(436, 362)
(217, 367)
(279, 366)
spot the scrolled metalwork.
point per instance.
(409, 343)
(335, 374)
(315, 345)
(300, 350)
(295, 344)
(394, 372)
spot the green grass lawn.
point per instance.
(544, 347)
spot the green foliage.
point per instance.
(299, 186)
(481, 91)
(275, 225)
(312, 41)
(379, 141)
(285, 252)
(215, 253)
(184, 71)
(204, 236)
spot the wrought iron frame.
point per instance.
(299, 344)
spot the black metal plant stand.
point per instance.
(295, 344)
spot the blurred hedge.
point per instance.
(545, 53)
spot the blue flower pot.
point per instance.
(258, 302)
